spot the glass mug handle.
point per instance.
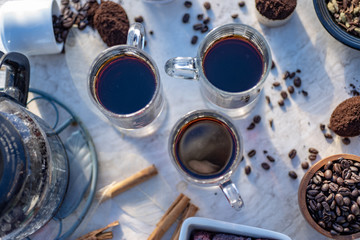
(182, 67)
(232, 194)
(136, 36)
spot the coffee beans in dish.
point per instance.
(332, 197)
(207, 235)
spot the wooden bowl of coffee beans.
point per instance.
(329, 196)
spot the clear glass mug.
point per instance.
(143, 119)
(235, 104)
(220, 178)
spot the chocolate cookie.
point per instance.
(112, 23)
(345, 119)
(275, 9)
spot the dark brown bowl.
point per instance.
(302, 196)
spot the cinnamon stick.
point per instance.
(170, 217)
(129, 182)
(190, 211)
(99, 234)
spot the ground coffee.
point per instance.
(345, 120)
(275, 9)
(112, 23)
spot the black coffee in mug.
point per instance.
(125, 84)
(233, 64)
(205, 148)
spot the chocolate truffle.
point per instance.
(345, 119)
(274, 13)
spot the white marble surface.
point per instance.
(270, 197)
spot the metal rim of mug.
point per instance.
(199, 114)
(120, 50)
(202, 49)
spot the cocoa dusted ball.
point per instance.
(345, 119)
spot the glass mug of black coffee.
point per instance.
(206, 149)
(124, 83)
(231, 65)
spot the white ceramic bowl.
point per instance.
(198, 223)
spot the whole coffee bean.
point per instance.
(328, 136)
(265, 166)
(326, 206)
(256, 119)
(349, 182)
(283, 94)
(65, 2)
(241, 4)
(270, 158)
(207, 5)
(325, 187)
(200, 16)
(332, 205)
(340, 181)
(313, 192)
(341, 219)
(292, 154)
(347, 201)
(350, 218)
(234, 16)
(286, 75)
(333, 232)
(204, 29)
(312, 157)
(355, 209)
(337, 227)
(251, 126)
(139, 19)
(292, 174)
(82, 25)
(197, 26)
(328, 174)
(328, 165)
(344, 191)
(305, 165)
(322, 127)
(247, 170)
(330, 198)
(297, 82)
(337, 168)
(194, 40)
(333, 187)
(339, 199)
(252, 153)
(206, 20)
(320, 197)
(187, 4)
(292, 75)
(354, 169)
(313, 150)
(281, 102)
(185, 18)
(291, 89)
(68, 22)
(346, 141)
(355, 193)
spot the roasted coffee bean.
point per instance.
(333, 187)
(355, 193)
(284, 95)
(333, 232)
(292, 75)
(341, 219)
(337, 168)
(185, 18)
(200, 16)
(345, 208)
(281, 102)
(305, 93)
(313, 150)
(345, 164)
(344, 191)
(268, 99)
(328, 165)
(247, 170)
(321, 224)
(354, 169)
(252, 153)
(313, 205)
(297, 82)
(207, 5)
(68, 22)
(292, 174)
(332, 205)
(310, 197)
(256, 119)
(328, 174)
(320, 197)
(151, 32)
(337, 211)
(197, 26)
(328, 136)
(82, 25)
(204, 29)
(139, 19)
(271, 122)
(305, 165)
(75, 1)
(322, 127)
(291, 89)
(78, 6)
(355, 209)
(346, 174)
(325, 206)
(286, 75)
(235, 15)
(337, 227)
(64, 34)
(330, 198)
(270, 158)
(317, 180)
(349, 182)
(265, 166)
(251, 126)
(325, 187)
(313, 192)
(350, 218)
(194, 40)
(339, 199)
(320, 173)
(273, 65)
(292, 154)
(276, 84)
(346, 141)
(312, 157)
(206, 21)
(187, 4)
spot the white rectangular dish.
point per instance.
(198, 223)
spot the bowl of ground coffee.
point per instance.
(274, 13)
(329, 196)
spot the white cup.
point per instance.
(26, 27)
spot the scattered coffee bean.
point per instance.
(151, 32)
(197, 26)
(267, 99)
(235, 15)
(291, 89)
(292, 154)
(292, 75)
(247, 170)
(200, 16)
(204, 29)
(256, 119)
(328, 136)
(313, 150)
(194, 39)
(270, 158)
(346, 141)
(251, 126)
(276, 84)
(312, 157)
(297, 82)
(241, 4)
(207, 5)
(284, 95)
(298, 70)
(186, 18)
(265, 152)
(82, 25)
(305, 93)
(265, 166)
(286, 75)
(281, 102)
(322, 127)
(293, 175)
(305, 165)
(187, 4)
(271, 122)
(206, 20)
(139, 19)
(252, 153)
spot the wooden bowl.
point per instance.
(302, 196)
